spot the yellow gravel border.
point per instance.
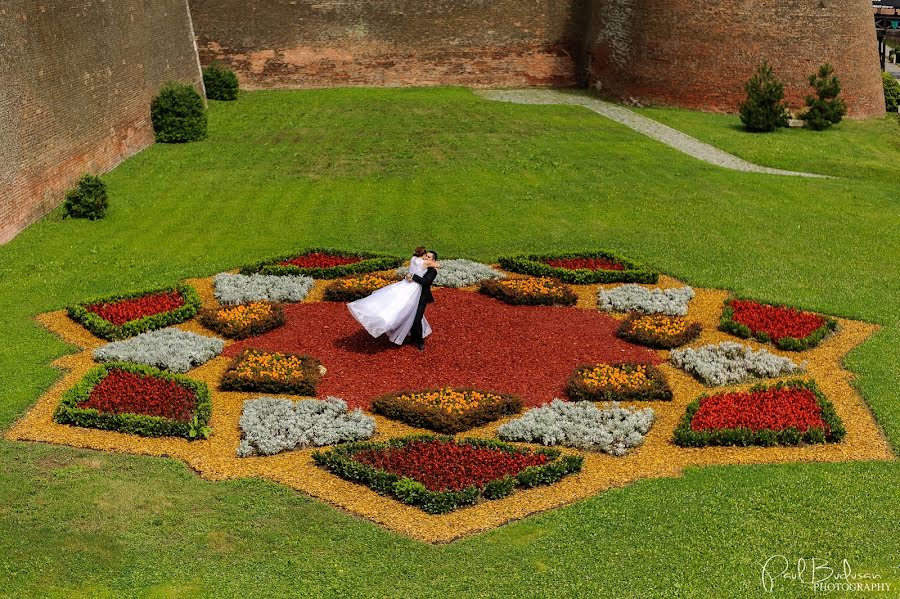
(215, 458)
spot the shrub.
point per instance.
(530, 292)
(634, 298)
(618, 382)
(659, 331)
(614, 430)
(891, 92)
(728, 363)
(441, 474)
(87, 199)
(461, 273)
(231, 289)
(243, 320)
(825, 108)
(168, 349)
(125, 315)
(350, 289)
(137, 400)
(273, 372)
(269, 425)
(764, 110)
(178, 114)
(581, 268)
(787, 413)
(787, 327)
(220, 82)
(323, 263)
(446, 410)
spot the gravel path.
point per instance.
(667, 135)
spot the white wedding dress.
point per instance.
(390, 310)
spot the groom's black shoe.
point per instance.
(420, 346)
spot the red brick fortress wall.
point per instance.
(76, 81)
(325, 43)
(699, 54)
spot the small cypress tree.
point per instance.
(825, 108)
(87, 199)
(178, 114)
(220, 82)
(891, 92)
(764, 109)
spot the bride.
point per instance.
(391, 310)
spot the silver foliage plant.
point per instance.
(613, 430)
(270, 425)
(634, 298)
(461, 273)
(231, 289)
(167, 349)
(729, 362)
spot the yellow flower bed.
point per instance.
(618, 382)
(450, 400)
(447, 410)
(273, 372)
(530, 291)
(659, 331)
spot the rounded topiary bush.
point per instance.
(178, 114)
(220, 82)
(891, 92)
(87, 199)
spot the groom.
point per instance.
(426, 298)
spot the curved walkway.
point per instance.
(654, 129)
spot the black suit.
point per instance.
(426, 298)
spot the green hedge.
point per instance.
(87, 199)
(106, 330)
(371, 262)
(220, 83)
(729, 325)
(178, 114)
(339, 461)
(68, 411)
(533, 264)
(686, 437)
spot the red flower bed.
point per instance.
(775, 321)
(120, 312)
(478, 343)
(320, 260)
(448, 466)
(122, 392)
(774, 409)
(585, 263)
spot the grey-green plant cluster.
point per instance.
(461, 273)
(634, 298)
(231, 289)
(167, 349)
(729, 362)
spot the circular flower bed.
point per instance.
(447, 410)
(787, 327)
(122, 316)
(273, 372)
(618, 382)
(244, 320)
(581, 267)
(324, 264)
(783, 414)
(440, 474)
(530, 292)
(353, 288)
(659, 331)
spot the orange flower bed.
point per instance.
(273, 372)
(658, 330)
(354, 288)
(447, 410)
(245, 320)
(533, 291)
(618, 382)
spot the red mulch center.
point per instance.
(478, 342)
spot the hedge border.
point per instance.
(432, 418)
(496, 289)
(371, 262)
(625, 332)
(209, 318)
(339, 461)
(659, 392)
(686, 437)
(143, 425)
(731, 326)
(100, 327)
(532, 264)
(231, 381)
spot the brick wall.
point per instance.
(323, 43)
(700, 54)
(76, 81)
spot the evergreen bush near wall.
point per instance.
(178, 114)
(220, 82)
(764, 110)
(87, 199)
(825, 108)
(891, 92)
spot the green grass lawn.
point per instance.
(386, 170)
